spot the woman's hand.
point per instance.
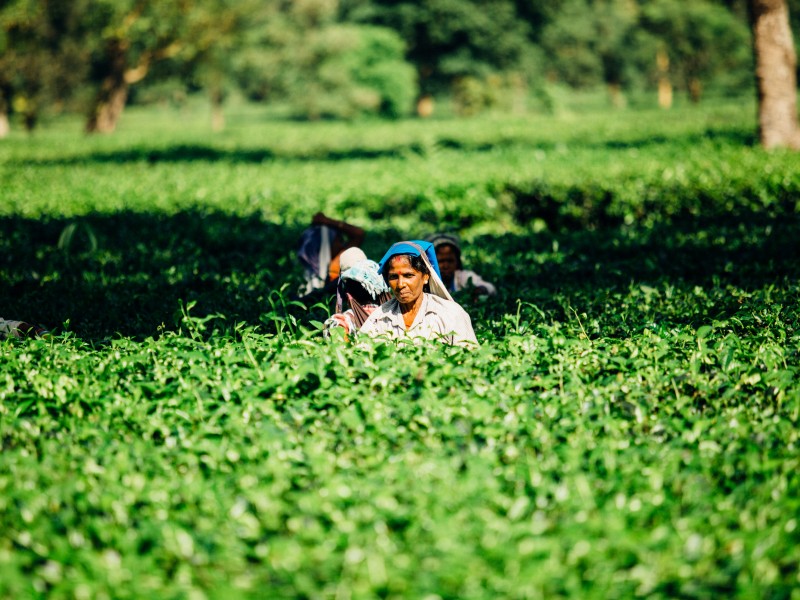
(320, 219)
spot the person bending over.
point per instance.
(360, 291)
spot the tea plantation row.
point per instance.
(628, 427)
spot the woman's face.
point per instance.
(448, 261)
(406, 282)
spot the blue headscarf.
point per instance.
(413, 248)
(428, 253)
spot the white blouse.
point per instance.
(463, 278)
(437, 319)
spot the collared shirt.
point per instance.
(437, 319)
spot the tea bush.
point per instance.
(628, 427)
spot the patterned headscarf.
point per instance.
(367, 275)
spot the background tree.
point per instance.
(696, 43)
(40, 64)
(344, 58)
(588, 44)
(345, 71)
(261, 68)
(200, 40)
(216, 33)
(776, 74)
(324, 68)
(5, 108)
(449, 40)
(126, 37)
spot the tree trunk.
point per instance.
(695, 90)
(29, 119)
(112, 95)
(616, 95)
(108, 109)
(217, 115)
(775, 74)
(425, 106)
(5, 124)
(664, 84)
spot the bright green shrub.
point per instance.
(628, 427)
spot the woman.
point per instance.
(422, 307)
(360, 291)
(454, 276)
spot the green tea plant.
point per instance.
(628, 426)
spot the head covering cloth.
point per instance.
(367, 276)
(447, 239)
(350, 257)
(427, 252)
(444, 239)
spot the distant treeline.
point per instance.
(348, 58)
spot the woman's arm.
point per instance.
(355, 235)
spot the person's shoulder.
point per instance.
(438, 303)
(466, 272)
(464, 278)
(464, 275)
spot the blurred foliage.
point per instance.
(588, 41)
(323, 68)
(40, 62)
(703, 42)
(451, 39)
(347, 71)
(351, 58)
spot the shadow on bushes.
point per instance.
(143, 266)
(191, 153)
(199, 152)
(595, 206)
(133, 277)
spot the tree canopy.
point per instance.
(347, 58)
